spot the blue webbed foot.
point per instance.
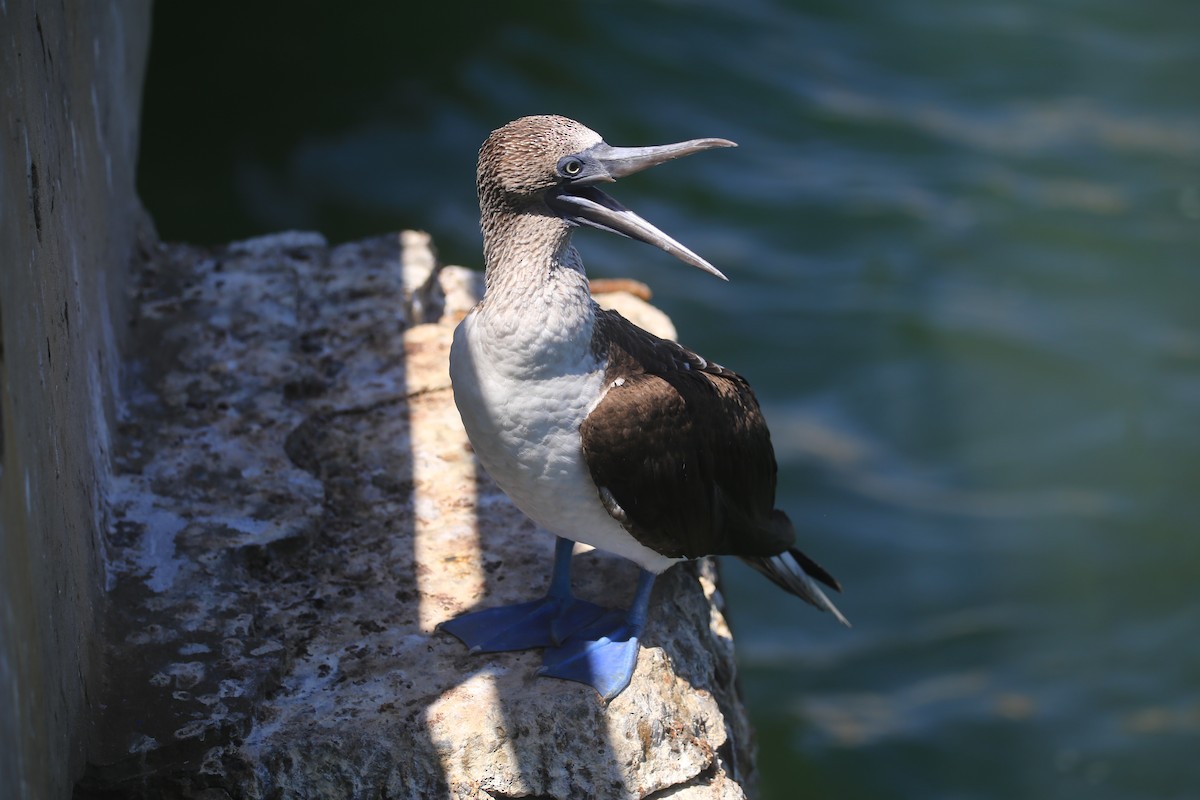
(524, 626)
(583, 642)
(603, 655)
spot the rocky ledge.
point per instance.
(295, 509)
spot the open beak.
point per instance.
(581, 202)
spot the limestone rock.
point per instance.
(297, 508)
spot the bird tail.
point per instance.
(795, 572)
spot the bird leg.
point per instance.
(603, 654)
(547, 622)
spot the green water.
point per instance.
(964, 249)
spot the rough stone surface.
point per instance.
(70, 94)
(297, 508)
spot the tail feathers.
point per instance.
(795, 572)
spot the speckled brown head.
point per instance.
(550, 165)
(517, 161)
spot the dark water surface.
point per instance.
(964, 248)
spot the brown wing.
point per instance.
(680, 450)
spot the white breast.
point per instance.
(522, 397)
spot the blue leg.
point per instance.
(604, 654)
(524, 626)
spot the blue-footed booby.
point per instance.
(599, 431)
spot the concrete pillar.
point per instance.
(70, 93)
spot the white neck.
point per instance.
(537, 302)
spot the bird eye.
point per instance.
(570, 167)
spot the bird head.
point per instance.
(551, 164)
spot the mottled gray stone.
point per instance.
(297, 508)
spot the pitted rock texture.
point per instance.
(296, 509)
